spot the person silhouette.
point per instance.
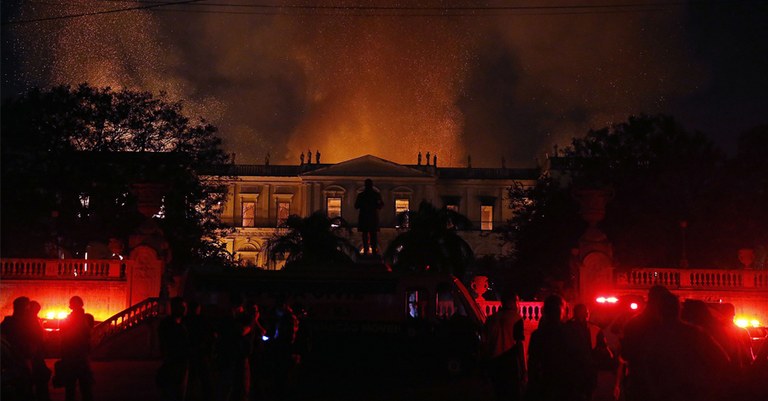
(683, 361)
(75, 350)
(550, 368)
(428, 157)
(301, 158)
(633, 345)
(503, 336)
(17, 360)
(418, 159)
(202, 336)
(584, 334)
(175, 349)
(41, 374)
(317, 156)
(309, 157)
(369, 202)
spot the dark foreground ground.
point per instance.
(135, 380)
(119, 381)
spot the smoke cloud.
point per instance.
(489, 84)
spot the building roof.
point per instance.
(372, 166)
(367, 166)
(489, 173)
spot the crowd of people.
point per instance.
(671, 351)
(237, 355)
(231, 356)
(23, 337)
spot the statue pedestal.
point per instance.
(595, 251)
(145, 278)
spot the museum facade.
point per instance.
(261, 197)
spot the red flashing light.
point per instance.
(743, 321)
(610, 300)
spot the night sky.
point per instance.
(490, 79)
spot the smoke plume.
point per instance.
(389, 82)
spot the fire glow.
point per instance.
(377, 84)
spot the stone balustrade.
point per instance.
(704, 279)
(529, 310)
(85, 269)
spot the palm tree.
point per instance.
(431, 243)
(313, 242)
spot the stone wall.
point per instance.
(102, 298)
(122, 283)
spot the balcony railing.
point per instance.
(694, 279)
(86, 269)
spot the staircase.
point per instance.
(111, 338)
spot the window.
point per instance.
(333, 207)
(249, 213)
(282, 202)
(486, 217)
(402, 206)
(453, 208)
(283, 211)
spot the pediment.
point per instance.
(367, 166)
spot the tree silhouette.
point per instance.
(545, 227)
(661, 174)
(313, 243)
(737, 205)
(431, 243)
(66, 145)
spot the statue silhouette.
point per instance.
(369, 202)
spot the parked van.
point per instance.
(361, 319)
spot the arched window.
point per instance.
(248, 254)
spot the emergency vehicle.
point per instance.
(612, 312)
